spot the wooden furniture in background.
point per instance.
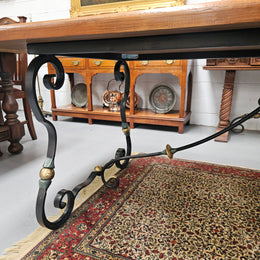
(90, 67)
(230, 65)
(18, 78)
(11, 129)
(4, 130)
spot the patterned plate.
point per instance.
(162, 98)
(79, 96)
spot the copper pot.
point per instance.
(111, 98)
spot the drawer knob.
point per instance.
(144, 62)
(76, 62)
(169, 62)
(232, 60)
(98, 62)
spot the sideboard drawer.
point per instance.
(96, 63)
(157, 63)
(233, 62)
(255, 61)
(72, 62)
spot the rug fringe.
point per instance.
(21, 248)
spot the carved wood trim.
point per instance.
(6, 20)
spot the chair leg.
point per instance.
(1, 115)
(28, 117)
(26, 106)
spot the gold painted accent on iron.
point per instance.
(168, 151)
(256, 116)
(46, 173)
(126, 131)
(98, 169)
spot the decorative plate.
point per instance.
(79, 95)
(162, 98)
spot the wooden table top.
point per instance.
(230, 15)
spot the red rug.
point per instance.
(164, 209)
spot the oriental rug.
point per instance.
(164, 209)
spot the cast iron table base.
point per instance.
(122, 156)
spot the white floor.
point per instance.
(81, 147)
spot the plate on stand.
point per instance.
(79, 95)
(162, 99)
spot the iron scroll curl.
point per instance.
(30, 88)
(47, 172)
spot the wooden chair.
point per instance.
(19, 79)
(4, 131)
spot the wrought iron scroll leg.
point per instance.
(120, 76)
(47, 172)
(31, 75)
(120, 153)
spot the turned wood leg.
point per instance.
(226, 102)
(10, 107)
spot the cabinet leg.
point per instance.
(53, 104)
(180, 129)
(226, 102)
(54, 117)
(132, 124)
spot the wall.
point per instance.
(207, 85)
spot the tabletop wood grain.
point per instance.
(212, 16)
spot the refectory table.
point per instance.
(210, 30)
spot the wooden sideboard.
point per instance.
(90, 67)
(230, 65)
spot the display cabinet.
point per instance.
(90, 67)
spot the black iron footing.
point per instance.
(122, 157)
(242, 128)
